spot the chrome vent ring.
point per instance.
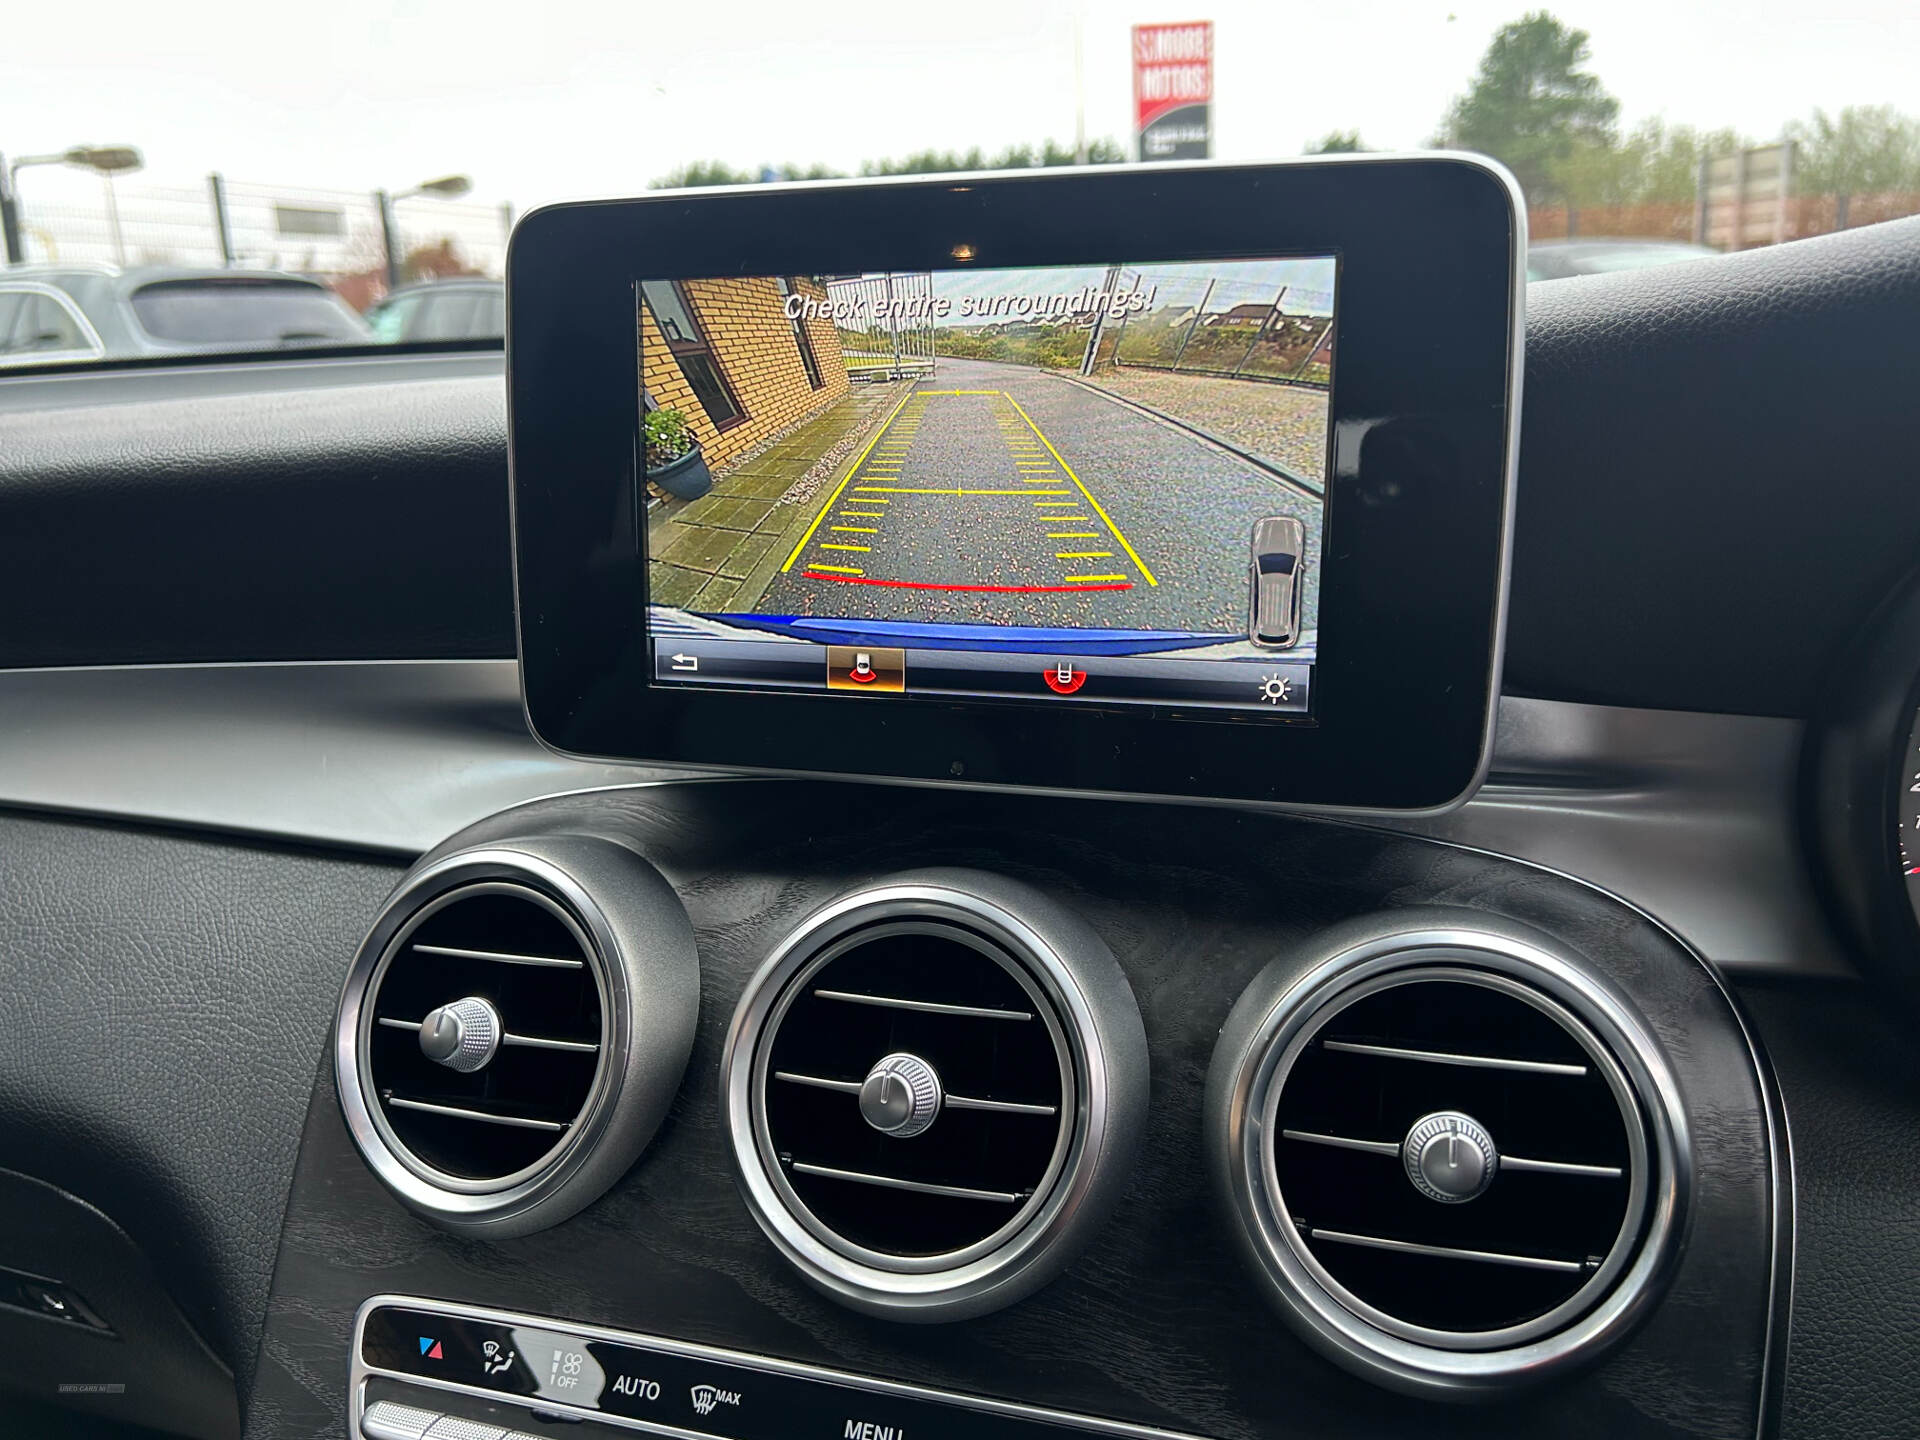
(933, 1089)
(513, 1027)
(1453, 1152)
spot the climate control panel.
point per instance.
(443, 1352)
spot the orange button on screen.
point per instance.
(862, 667)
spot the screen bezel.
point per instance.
(1424, 414)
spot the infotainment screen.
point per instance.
(1098, 484)
(1175, 480)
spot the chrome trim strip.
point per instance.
(925, 1007)
(531, 1042)
(1341, 1142)
(1392, 1148)
(499, 957)
(517, 1122)
(1447, 1252)
(919, 1187)
(1559, 1167)
(950, 1102)
(359, 1370)
(1439, 1057)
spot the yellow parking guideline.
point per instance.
(962, 392)
(834, 498)
(1083, 554)
(838, 569)
(1112, 528)
(826, 545)
(1073, 534)
(1092, 579)
(857, 529)
(943, 490)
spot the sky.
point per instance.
(572, 100)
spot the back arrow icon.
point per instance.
(686, 662)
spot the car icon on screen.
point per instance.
(1275, 574)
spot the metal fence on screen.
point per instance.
(1210, 325)
(885, 324)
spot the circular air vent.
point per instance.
(492, 1030)
(487, 1033)
(933, 1089)
(1454, 1153)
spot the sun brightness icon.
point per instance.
(1275, 688)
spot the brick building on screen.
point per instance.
(725, 354)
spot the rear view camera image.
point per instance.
(1100, 483)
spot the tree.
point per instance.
(1863, 149)
(702, 172)
(1656, 163)
(922, 162)
(1337, 142)
(1015, 157)
(1532, 106)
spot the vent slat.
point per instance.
(1447, 1252)
(951, 1102)
(534, 1042)
(918, 1187)
(518, 1122)
(925, 1007)
(1438, 1057)
(498, 957)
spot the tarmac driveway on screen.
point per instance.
(1000, 494)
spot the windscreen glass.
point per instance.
(1100, 483)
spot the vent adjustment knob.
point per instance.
(462, 1035)
(1449, 1157)
(901, 1096)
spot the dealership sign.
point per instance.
(1173, 90)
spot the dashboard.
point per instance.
(373, 1070)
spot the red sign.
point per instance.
(1173, 90)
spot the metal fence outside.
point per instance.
(328, 233)
(1231, 329)
(897, 341)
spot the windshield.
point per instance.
(396, 154)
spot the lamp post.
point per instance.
(447, 187)
(105, 161)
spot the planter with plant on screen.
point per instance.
(674, 461)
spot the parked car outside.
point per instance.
(92, 311)
(462, 309)
(1559, 259)
(40, 325)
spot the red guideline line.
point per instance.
(990, 589)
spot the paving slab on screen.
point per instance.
(1102, 483)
